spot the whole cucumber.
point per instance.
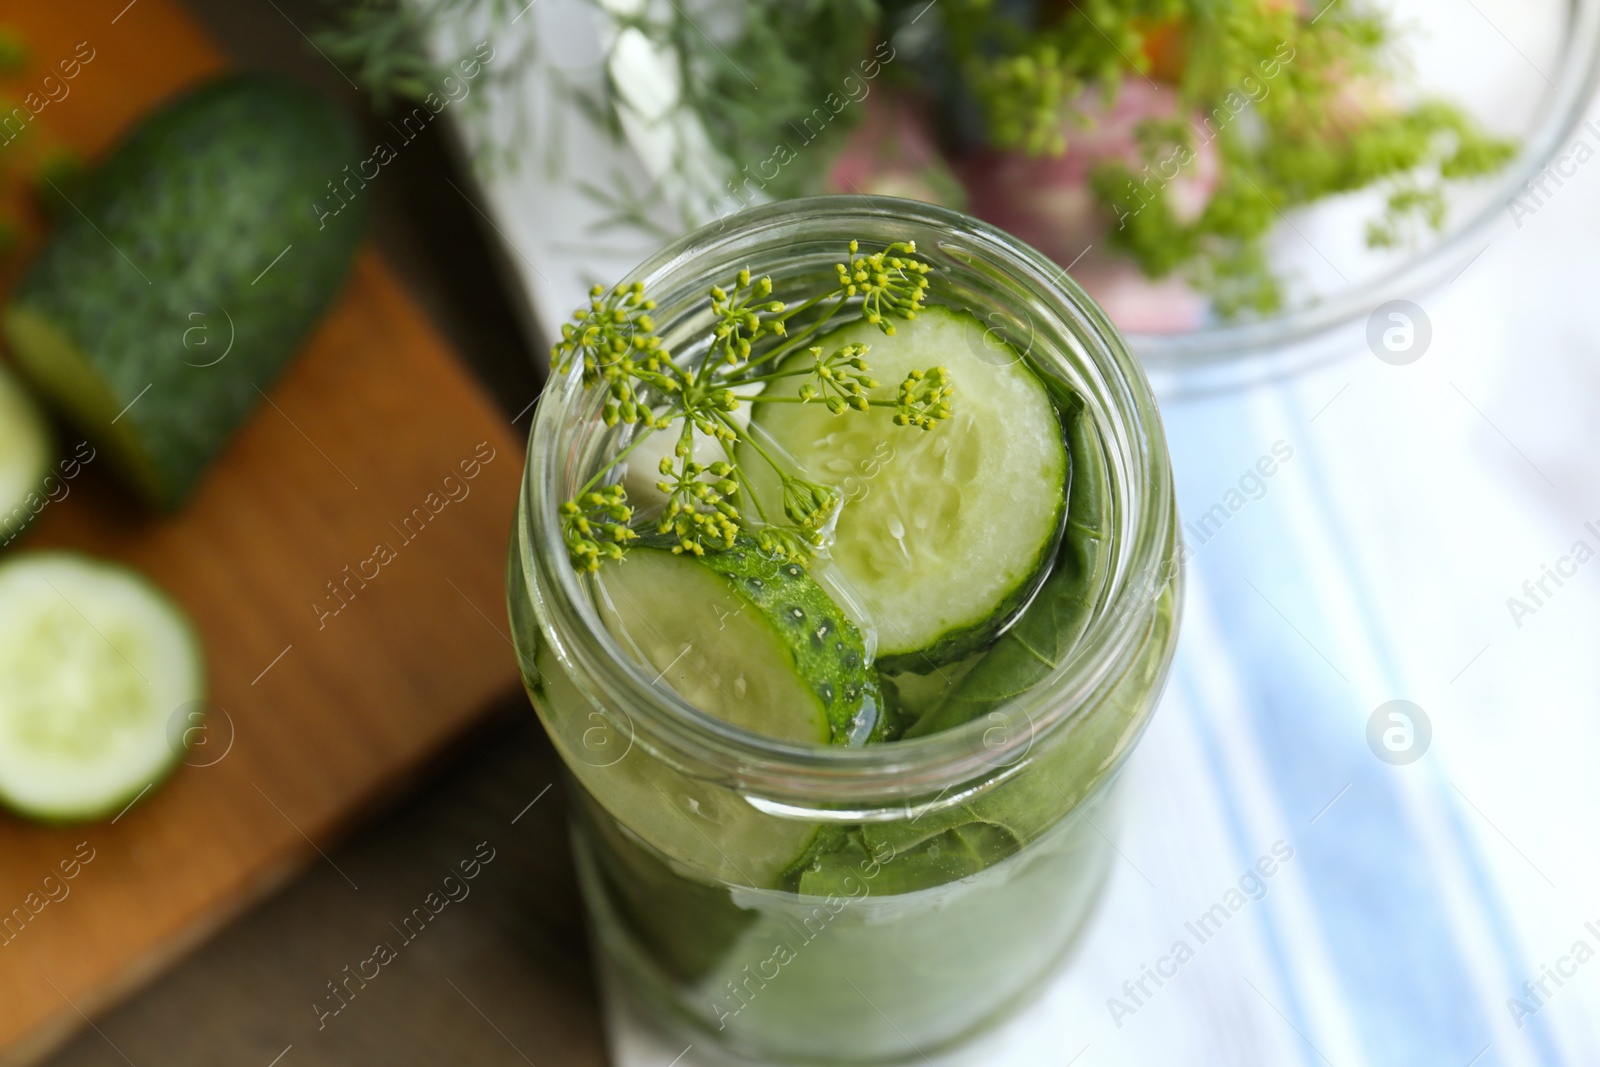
(187, 272)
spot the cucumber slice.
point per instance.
(1060, 613)
(944, 534)
(752, 640)
(94, 660)
(25, 448)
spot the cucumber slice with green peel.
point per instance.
(944, 534)
(25, 452)
(700, 828)
(747, 638)
(703, 829)
(94, 661)
(1060, 614)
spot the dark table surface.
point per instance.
(502, 975)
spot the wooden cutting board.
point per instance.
(315, 715)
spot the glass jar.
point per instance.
(685, 824)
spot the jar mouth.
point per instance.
(1081, 347)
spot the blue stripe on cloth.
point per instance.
(1381, 644)
(1375, 896)
(1247, 849)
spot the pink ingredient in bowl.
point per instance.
(892, 152)
(1047, 202)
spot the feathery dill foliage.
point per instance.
(748, 79)
(1322, 120)
(384, 46)
(798, 52)
(1330, 120)
(614, 344)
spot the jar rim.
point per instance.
(781, 774)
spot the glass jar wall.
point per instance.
(796, 903)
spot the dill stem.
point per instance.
(750, 438)
(614, 460)
(799, 340)
(750, 493)
(774, 376)
(789, 313)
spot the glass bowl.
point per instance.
(1526, 69)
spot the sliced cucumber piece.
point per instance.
(944, 534)
(94, 661)
(702, 829)
(752, 640)
(1060, 613)
(25, 449)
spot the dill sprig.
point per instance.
(739, 321)
(1266, 85)
(614, 338)
(1322, 118)
(924, 398)
(887, 282)
(595, 526)
(614, 345)
(839, 379)
(768, 73)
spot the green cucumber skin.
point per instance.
(159, 774)
(827, 647)
(201, 198)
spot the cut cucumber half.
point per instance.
(25, 452)
(94, 662)
(752, 640)
(946, 533)
(158, 314)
